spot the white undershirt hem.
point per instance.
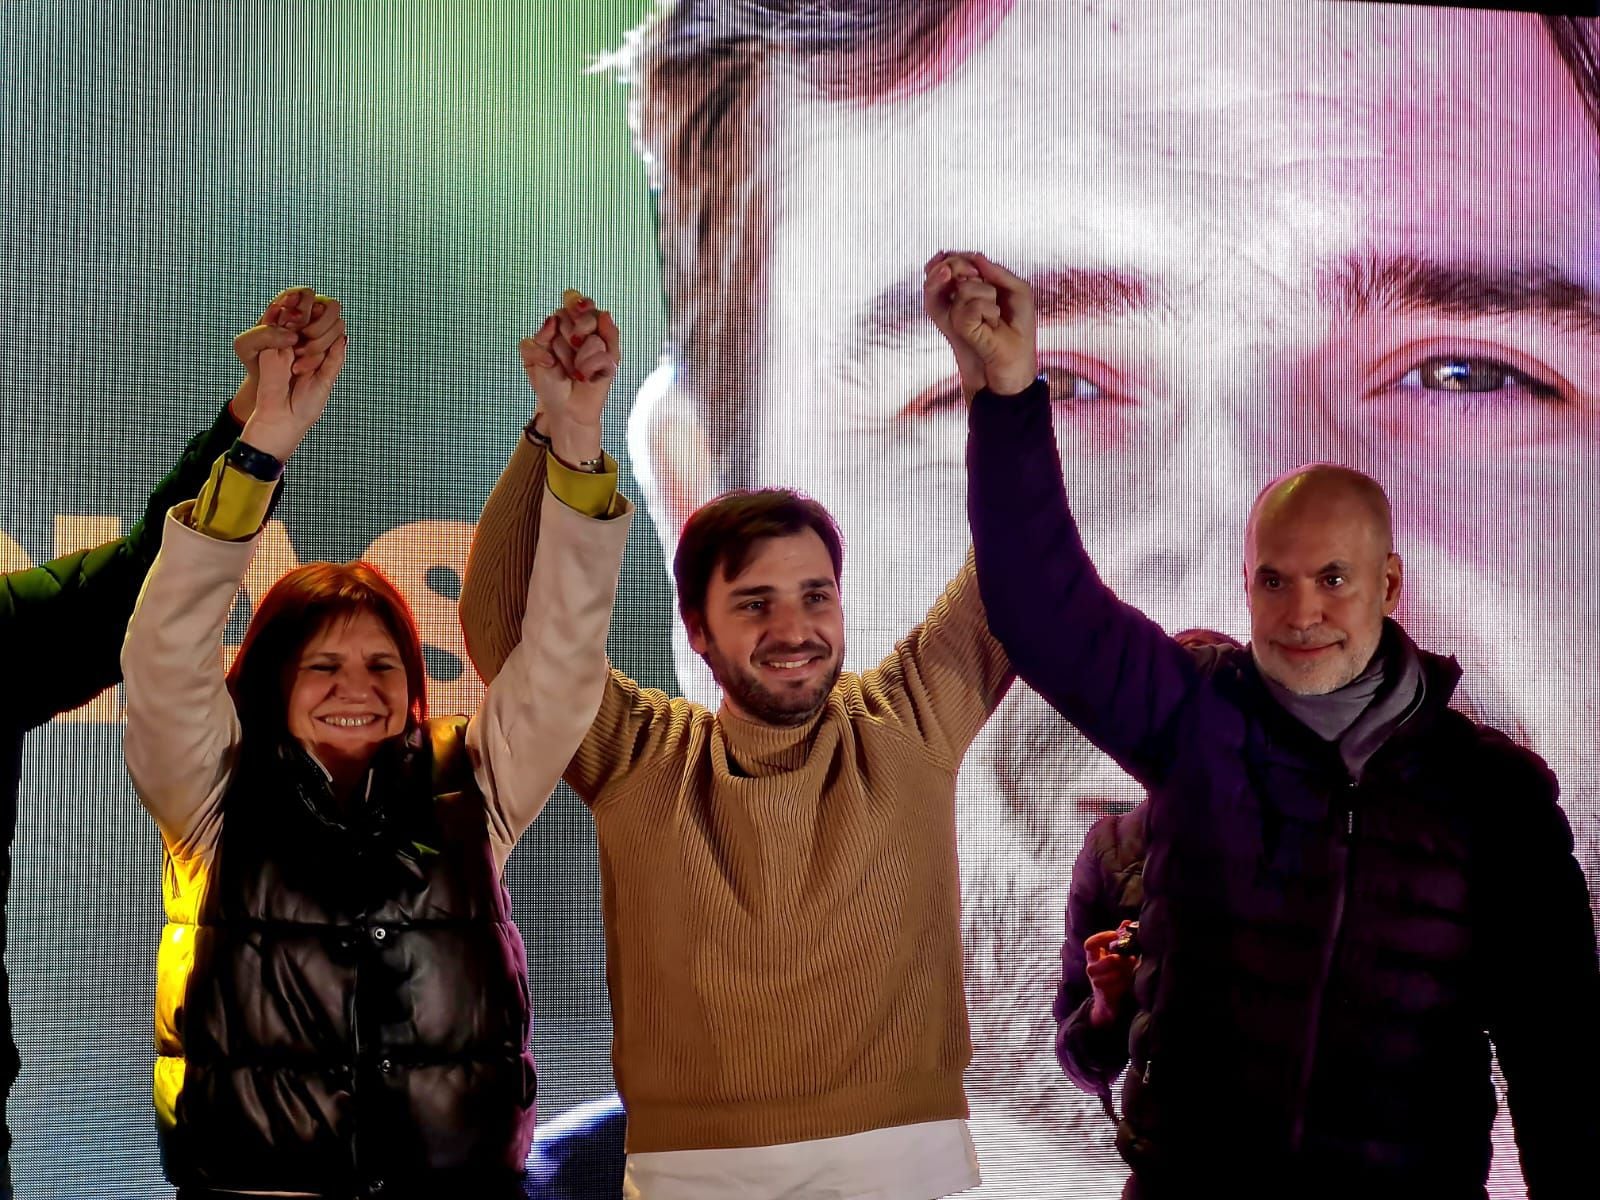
(925, 1161)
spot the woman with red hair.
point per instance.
(342, 998)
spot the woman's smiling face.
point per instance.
(347, 692)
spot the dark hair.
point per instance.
(724, 532)
(709, 78)
(289, 615)
(1577, 41)
(703, 114)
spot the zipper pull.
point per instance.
(1147, 1069)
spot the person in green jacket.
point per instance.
(61, 623)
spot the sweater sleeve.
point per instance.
(629, 721)
(947, 675)
(494, 588)
(183, 733)
(1543, 985)
(1092, 1057)
(62, 623)
(1102, 664)
(548, 689)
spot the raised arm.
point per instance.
(494, 591)
(62, 623)
(948, 674)
(560, 485)
(545, 689)
(183, 733)
(1101, 663)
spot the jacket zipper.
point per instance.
(1330, 950)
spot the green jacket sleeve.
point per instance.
(61, 623)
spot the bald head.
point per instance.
(1321, 574)
(1322, 486)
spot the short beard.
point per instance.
(1350, 672)
(759, 702)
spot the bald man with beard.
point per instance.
(1350, 888)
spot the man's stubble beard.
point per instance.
(761, 704)
(1352, 661)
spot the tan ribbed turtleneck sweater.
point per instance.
(782, 905)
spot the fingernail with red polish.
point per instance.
(576, 341)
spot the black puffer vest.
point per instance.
(342, 1006)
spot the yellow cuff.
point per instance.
(232, 505)
(590, 494)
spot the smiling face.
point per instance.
(773, 635)
(1262, 234)
(347, 692)
(1320, 577)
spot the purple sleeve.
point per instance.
(1102, 664)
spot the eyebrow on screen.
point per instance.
(1407, 284)
(1058, 295)
(1354, 287)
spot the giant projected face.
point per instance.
(1261, 233)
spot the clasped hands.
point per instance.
(291, 358)
(571, 362)
(986, 314)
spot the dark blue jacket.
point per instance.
(1326, 959)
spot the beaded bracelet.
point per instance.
(589, 466)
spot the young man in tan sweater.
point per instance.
(781, 892)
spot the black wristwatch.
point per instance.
(257, 464)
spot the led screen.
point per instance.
(1264, 233)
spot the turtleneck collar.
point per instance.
(757, 748)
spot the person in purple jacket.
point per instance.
(1093, 1008)
(1350, 889)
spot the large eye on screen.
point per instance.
(1476, 379)
(1428, 388)
(1077, 385)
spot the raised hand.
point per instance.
(986, 314)
(280, 325)
(287, 404)
(571, 362)
(320, 331)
